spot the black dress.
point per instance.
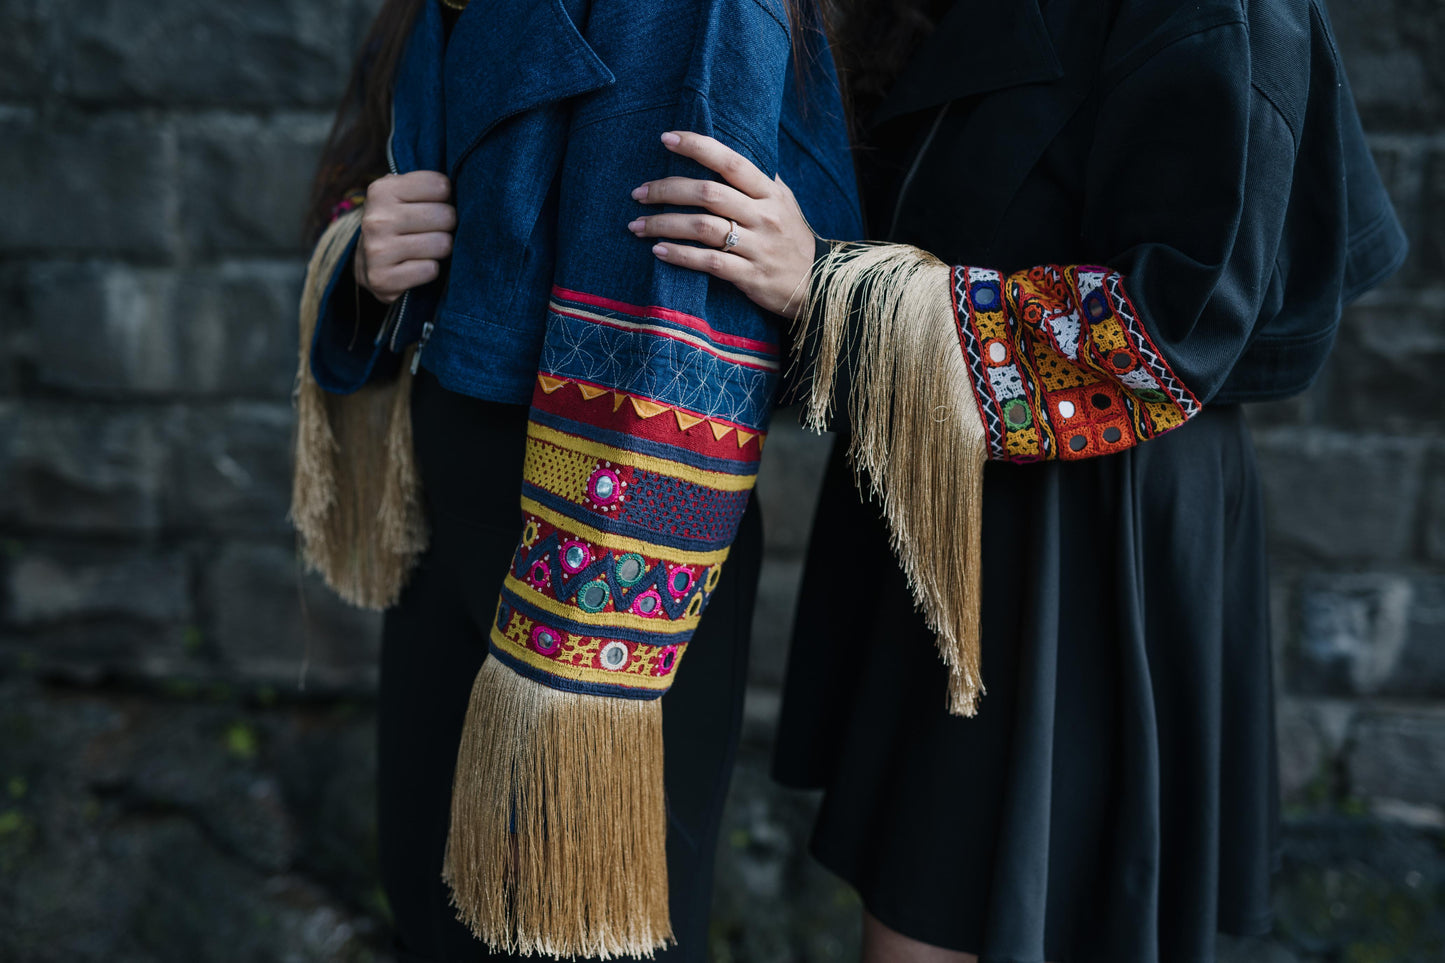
(1115, 799)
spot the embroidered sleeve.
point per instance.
(643, 444)
(1061, 365)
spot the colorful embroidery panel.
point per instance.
(1061, 365)
(631, 497)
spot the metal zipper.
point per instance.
(913, 169)
(416, 355)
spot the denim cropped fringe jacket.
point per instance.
(1209, 204)
(651, 388)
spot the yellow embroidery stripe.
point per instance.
(619, 543)
(712, 479)
(583, 673)
(657, 625)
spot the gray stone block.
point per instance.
(232, 469)
(1356, 889)
(137, 829)
(27, 48)
(1428, 234)
(1339, 496)
(1400, 159)
(111, 327)
(85, 468)
(10, 500)
(1390, 51)
(1299, 410)
(1435, 509)
(68, 582)
(80, 184)
(246, 180)
(1384, 372)
(1420, 668)
(1303, 759)
(326, 765)
(15, 331)
(91, 653)
(264, 52)
(788, 482)
(1399, 754)
(1352, 631)
(268, 620)
(1370, 634)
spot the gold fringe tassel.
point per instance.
(559, 825)
(917, 433)
(355, 490)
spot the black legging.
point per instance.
(434, 640)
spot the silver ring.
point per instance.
(731, 241)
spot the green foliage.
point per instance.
(242, 741)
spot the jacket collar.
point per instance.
(979, 46)
(508, 56)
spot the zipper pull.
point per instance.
(392, 316)
(426, 329)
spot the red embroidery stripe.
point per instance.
(603, 412)
(667, 314)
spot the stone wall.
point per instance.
(186, 722)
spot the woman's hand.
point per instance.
(773, 256)
(406, 231)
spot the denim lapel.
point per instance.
(508, 56)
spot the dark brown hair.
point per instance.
(872, 41)
(355, 150)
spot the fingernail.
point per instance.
(639, 193)
(671, 139)
(636, 225)
(660, 250)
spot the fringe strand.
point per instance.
(559, 825)
(886, 311)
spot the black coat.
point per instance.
(1208, 151)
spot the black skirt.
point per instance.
(435, 639)
(1115, 799)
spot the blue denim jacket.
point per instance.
(546, 114)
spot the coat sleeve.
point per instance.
(649, 411)
(1188, 186)
(345, 352)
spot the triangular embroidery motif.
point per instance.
(590, 391)
(745, 436)
(550, 384)
(646, 409)
(685, 420)
(617, 399)
(718, 430)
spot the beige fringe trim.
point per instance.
(917, 433)
(355, 491)
(558, 830)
